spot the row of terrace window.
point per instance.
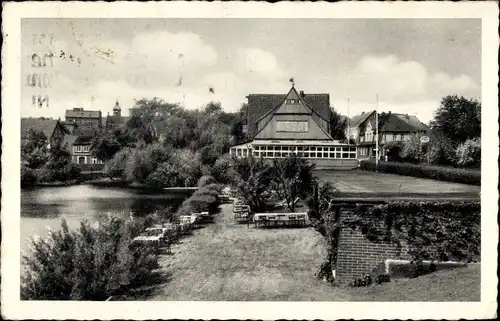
(300, 151)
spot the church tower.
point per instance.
(117, 111)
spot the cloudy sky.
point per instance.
(410, 63)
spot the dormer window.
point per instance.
(292, 101)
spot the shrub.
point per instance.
(28, 176)
(441, 151)
(205, 180)
(364, 281)
(91, 263)
(469, 152)
(450, 174)
(203, 199)
(382, 278)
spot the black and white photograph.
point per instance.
(240, 154)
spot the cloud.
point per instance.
(402, 87)
(257, 61)
(461, 83)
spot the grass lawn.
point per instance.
(226, 261)
(460, 284)
(365, 182)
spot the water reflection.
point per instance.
(47, 206)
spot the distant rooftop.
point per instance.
(81, 113)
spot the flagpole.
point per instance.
(348, 122)
(376, 135)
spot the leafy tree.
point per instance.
(165, 175)
(254, 177)
(458, 118)
(208, 156)
(337, 126)
(34, 151)
(292, 178)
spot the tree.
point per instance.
(458, 118)
(338, 126)
(254, 177)
(105, 146)
(34, 151)
(292, 178)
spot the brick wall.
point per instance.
(357, 256)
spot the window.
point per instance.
(277, 154)
(320, 149)
(306, 154)
(313, 148)
(300, 154)
(338, 149)
(269, 154)
(325, 155)
(238, 152)
(338, 155)
(313, 155)
(394, 136)
(345, 155)
(299, 148)
(256, 154)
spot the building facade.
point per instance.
(84, 118)
(81, 151)
(281, 125)
(392, 128)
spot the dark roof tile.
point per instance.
(47, 126)
(259, 104)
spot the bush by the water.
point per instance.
(205, 198)
(91, 263)
(457, 175)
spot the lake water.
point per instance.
(44, 207)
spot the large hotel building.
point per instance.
(295, 123)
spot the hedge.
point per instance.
(450, 174)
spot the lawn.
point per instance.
(225, 261)
(365, 182)
(460, 284)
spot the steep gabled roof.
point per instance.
(358, 120)
(45, 125)
(260, 104)
(303, 108)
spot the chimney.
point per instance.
(302, 93)
(362, 113)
